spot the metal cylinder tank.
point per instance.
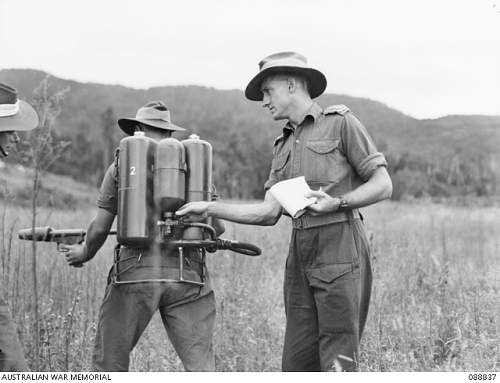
(136, 220)
(170, 176)
(199, 176)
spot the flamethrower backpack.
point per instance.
(155, 178)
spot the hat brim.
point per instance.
(316, 81)
(128, 125)
(25, 119)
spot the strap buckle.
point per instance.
(298, 223)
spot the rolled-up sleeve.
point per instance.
(359, 148)
(273, 177)
(108, 193)
(271, 180)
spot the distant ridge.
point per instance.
(242, 133)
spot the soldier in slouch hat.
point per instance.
(328, 274)
(15, 115)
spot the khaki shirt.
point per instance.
(330, 148)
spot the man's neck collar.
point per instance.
(313, 110)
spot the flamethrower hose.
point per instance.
(205, 226)
(238, 247)
(218, 244)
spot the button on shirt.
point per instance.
(330, 148)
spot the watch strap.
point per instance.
(343, 204)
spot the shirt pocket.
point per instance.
(323, 161)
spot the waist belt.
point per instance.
(159, 256)
(307, 221)
(135, 266)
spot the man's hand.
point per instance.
(324, 202)
(75, 254)
(194, 210)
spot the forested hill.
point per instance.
(446, 156)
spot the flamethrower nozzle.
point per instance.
(39, 234)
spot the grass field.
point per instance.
(435, 302)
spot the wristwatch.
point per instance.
(343, 205)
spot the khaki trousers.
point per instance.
(187, 312)
(11, 354)
(327, 291)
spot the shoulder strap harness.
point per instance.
(336, 109)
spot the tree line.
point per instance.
(423, 160)
(242, 163)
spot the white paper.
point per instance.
(290, 194)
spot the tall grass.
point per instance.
(435, 303)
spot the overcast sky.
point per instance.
(425, 58)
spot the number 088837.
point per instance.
(482, 376)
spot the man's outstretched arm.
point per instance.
(265, 213)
